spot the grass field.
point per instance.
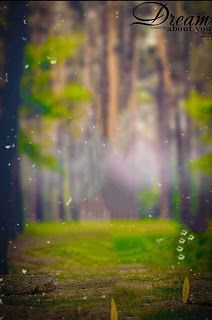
(141, 264)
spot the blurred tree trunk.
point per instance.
(128, 58)
(17, 192)
(172, 78)
(75, 211)
(204, 205)
(16, 30)
(61, 205)
(109, 69)
(163, 143)
(39, 207)
(123, 50)
(39, 212)
(40, 22)
(104, 78)
(163, 97)
(183, 173)
(183, 141)
(111, 9)
(91, 72)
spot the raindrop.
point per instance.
(6, 77)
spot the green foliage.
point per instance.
(37, 90)
(135, 262)
(44, 102)
(176, 204)
(33, 151)
(57, 49)
(203, 164)
(148, 199)
(104, 244)
(147, 242)
(199, 108)
(198, 254)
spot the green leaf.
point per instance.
(199, 108)
(114, 313)
(32, 150)
(203, 164)
(186, 289)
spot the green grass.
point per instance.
(141, 256)
(93, 245)
(151, 242)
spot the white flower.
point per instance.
(191, 237)
(53, 61)
(184, 232)
(181, 256)
(181, 240)
(179, 249)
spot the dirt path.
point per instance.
(90, 299)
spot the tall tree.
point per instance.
(163, 117)
(14, 43)
(109, 69)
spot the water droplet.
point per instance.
(6, 77)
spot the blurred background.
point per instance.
(105, 162)
(101, 119)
